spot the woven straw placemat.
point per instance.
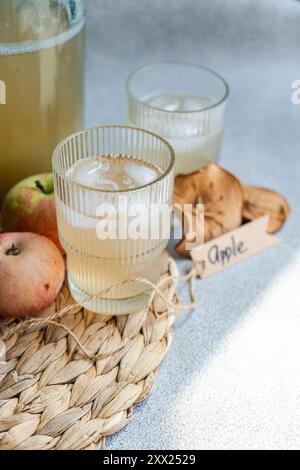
(52, 396)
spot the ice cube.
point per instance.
(112, 173)
(165, 101)
(195, 103)
(139, 174)
(90, 173)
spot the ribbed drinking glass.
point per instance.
(108, 177)
(185, 104)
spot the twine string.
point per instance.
(32, 323)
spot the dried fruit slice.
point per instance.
(261, 201)
(219, 191)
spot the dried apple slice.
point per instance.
(222, 196)
(261, 201)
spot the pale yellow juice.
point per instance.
(195, 136)
(93, 263)
(44, 93)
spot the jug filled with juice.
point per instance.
(42, 80)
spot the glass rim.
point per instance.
(187, 64)
(160, 177)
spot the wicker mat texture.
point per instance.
(52, 396)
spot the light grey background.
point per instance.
(232, 376)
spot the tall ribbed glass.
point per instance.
(96, 261)
(185, 104)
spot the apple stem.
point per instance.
(40, 186)
(13, 251)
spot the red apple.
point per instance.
(30, 207)
(32, 272)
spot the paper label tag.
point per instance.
(232, 247)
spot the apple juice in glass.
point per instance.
(185, 104)
(41, 72)
(110, 185)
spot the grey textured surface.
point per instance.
(232, 376)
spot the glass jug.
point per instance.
(41, 83)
